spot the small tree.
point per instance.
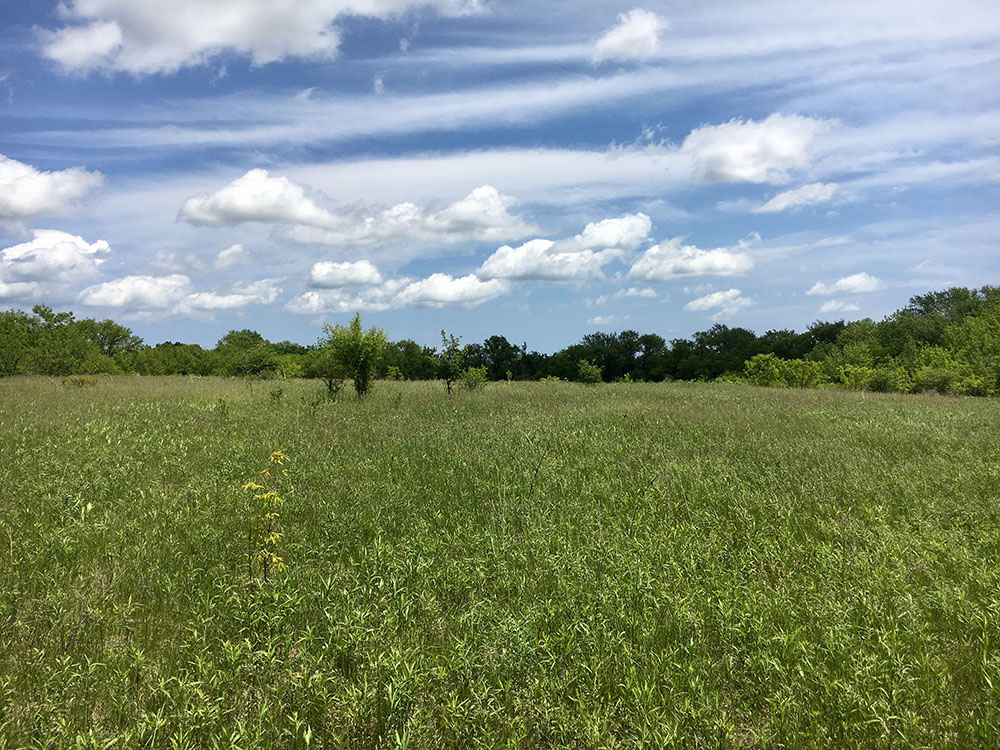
(451, 360)
(588, 373)
(474, 378)
(356, 351)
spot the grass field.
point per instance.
(533, 565)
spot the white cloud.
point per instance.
(749, 151)
(635, 36)
(180, 262)
(622, 233)
(536, 260)
(604, 320)
(261, 292)
(629, 293)
(440, 289)
(256, 196)
(52, 257)
(138, 292)
(671, 260)
(231, 256)
(437, 290)
(19, 289)
(856, 283)
(368, 299)
(483, 215)
(141, 37)
(727, 303)
(646, 293)
(807, 195)
(173, 295)
(838, 305)
(27, 192)
(572, 259)
(335, 275)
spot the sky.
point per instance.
(537, 170)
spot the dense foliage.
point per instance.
(947, 341)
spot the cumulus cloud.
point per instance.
(51, 258)
(604, 320)
(440, 289)
(27, 192)
(368, 299)
(672, 260)
(261, 292)
(629, 293)
(635, 36)
(807, 195)
(256, 196)
(727, 303)
(231, 256)
(181, 262)
(838, 305)
(437, 290)
(646, 293)
(536, 260)
(173, 294)
(138, 292)
(335, 275)
(483, 215)
(140, 37)
(18, 289)
(572, 259)
(749, 151)
(856, 283)
(623, 233)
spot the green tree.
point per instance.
(451, 360)
(588, 373)
(16, 332)
(357, 351)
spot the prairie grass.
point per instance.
(529, 565)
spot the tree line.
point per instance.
(946, 341)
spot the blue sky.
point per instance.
(537, 170)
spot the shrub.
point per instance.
(474, 378)
(588, 374)
(855, 377)
(889, 377)
(357, 352)
(764, 369)
(801, 373)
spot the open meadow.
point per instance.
(529, 565)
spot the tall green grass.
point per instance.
(532, 565)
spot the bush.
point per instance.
(801, 373)
(588, 374)
(889, 377)
(474, 378)
(764, 369)
(856, 377)
(357, 352)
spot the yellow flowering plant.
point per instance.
(263, 515)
